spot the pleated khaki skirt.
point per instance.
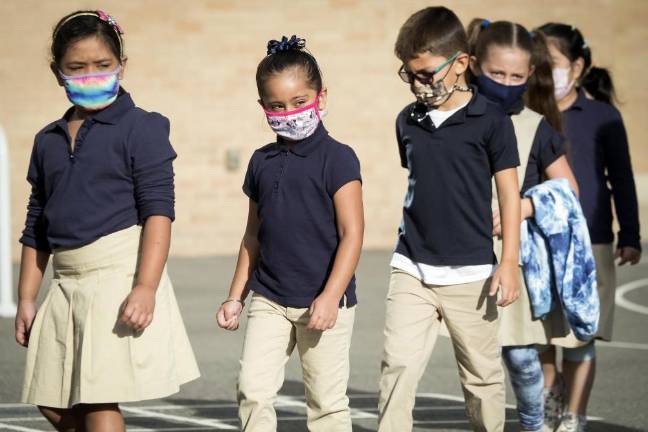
(78, 350)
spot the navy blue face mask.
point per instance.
(506, 96)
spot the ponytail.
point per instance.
(598, 83)
(473, 30)
(570, 42)
(482, 34)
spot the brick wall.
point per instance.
(194, 61)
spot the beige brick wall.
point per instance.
(194, 61)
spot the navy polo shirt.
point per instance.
(600, 157)
(547, 146)
(293, 186)
(447, 216)
(119, 173)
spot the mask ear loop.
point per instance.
(318, 112)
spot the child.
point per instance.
(513, 68)
(601, 160)
(452, 142)
(109, 329)
(300, 250)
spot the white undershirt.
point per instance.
(442, 275)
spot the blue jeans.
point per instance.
(525, 372)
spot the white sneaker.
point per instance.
(554, 403)
(572, 423)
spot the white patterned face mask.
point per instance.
(297, 124)
(562, 85)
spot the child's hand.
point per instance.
(137, 309)
(24, 320)
(507, 278)
(228, 314)
(323, 312)
(627, 254)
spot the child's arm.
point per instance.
(33, 263)
(507, 274)
(616, 156)
(350, 223)
(229, 312)
(559, 169)
(137, 310)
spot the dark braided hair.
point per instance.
(286, 54)
(571, 43)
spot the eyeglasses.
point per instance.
(424, 77)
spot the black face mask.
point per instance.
(506, 96)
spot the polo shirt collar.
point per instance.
(109, 115)
(301, 148)
(477, 104)
(115, 111)
(579, 103)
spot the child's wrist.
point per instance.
(232, 299)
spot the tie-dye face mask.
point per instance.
(297, 124)
(93, 91)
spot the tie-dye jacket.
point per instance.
(556, 255)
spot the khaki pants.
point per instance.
(414, 312)
(272, 333)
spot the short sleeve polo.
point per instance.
(548, 145)
(447, 216)
(293, 187)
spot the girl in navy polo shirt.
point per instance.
(300, 249)
(452, 141)
(600, 157)
(513, 68)
(109, 329)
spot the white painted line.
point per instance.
(180, 419)
(434, 422)
(23, 419)
(291, 401)
(16, 405)
(629, 345)
(627, 304)
(6, 426)
(452, 398)
(170, 429)
(182, 407)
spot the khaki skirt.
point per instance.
(78, 350)
(519, 328)
(606, 283)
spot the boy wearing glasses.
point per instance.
(452, 141)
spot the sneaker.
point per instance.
(572, 423)
(554, 403)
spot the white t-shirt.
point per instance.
(442, 275)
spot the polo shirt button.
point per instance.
(71, 156)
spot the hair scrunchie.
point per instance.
(285, 44)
